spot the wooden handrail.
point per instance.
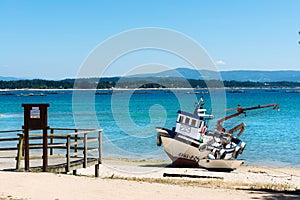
(11, 131)
(73, 129)
(67, 134)
(9, 139)
(8, 148)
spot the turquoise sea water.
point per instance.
(128, 119)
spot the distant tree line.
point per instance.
(37, 84)
(116, 82)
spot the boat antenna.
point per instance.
(201, 102)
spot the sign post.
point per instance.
(36, 118)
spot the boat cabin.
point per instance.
(190, 124)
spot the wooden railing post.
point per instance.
(76, 139)
(20, 151)
(51, 140)
(100, 146)
(85, 150)
(26, 149)
(100, 153)
(68, 153)
(45, 150)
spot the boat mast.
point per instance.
(199, 104)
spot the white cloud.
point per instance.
(220, 62)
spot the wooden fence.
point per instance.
(69, 149)
(11, 136)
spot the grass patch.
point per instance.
(213, 184)
(9, 197)
(143, 161)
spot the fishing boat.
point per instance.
(191, 144)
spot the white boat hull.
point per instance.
(221, 165)
(183, 154)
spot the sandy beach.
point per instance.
(142, 100)
(152, 180)
(52, 186)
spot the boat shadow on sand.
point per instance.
(170, 165)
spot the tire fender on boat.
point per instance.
(215, 152)
(243, 145)
(202, 147)
(222, 154)
(236, 152)
(158, 140)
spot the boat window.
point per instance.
(187, 120)
(180, 119)
(193, 123)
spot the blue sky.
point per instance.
(51, 39)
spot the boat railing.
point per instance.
(202, 113)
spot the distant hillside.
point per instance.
(187, 73)
(261, 76)
(3, 78)
(241, 75)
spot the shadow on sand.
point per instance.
(271, 195)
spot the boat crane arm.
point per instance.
(240, 127)
(274, 105)
(241, 110)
